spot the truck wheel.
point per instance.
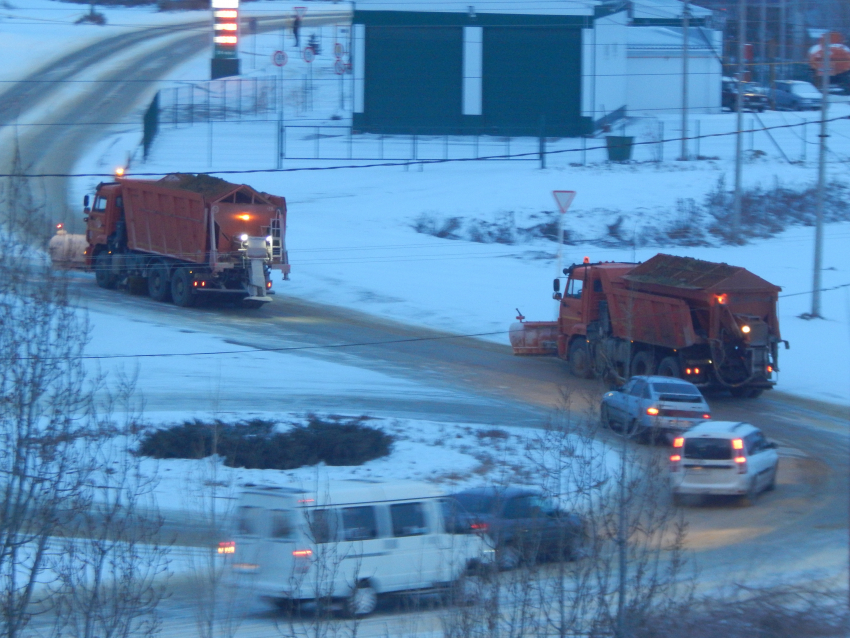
(252, 304)
(643, 364)
(580, 364)
(746, 393)
(103, 271)
(669, 367)
(181, 288)
(159, 285)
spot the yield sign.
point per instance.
(564, 199)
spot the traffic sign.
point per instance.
(280, 58)
(300, 11)
(339, 67)
(564, 199)
(339, 50)
(309, 54)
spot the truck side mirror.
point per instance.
(787, 345)
(86, 201)
(556, 285)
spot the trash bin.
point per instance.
(619, 148)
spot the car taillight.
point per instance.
(227, 547)
(706, 416)
(737, 444)
(652, 411)
(675, 460)
(479, 528)
(679, 441)
(742, 464)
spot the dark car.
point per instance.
(754, 97)
(522, 524)
(795, 95)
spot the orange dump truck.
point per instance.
(186, 237)
(712, 324)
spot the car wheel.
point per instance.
(103, 271)
(181, 288)
(772, 485)
(643, 364)
(159, 285)
(669, 367)
(508, 557)
(678, 500)
(580, 363)
(362, 601)
(468, 589)
(749, 499)
(605, 416)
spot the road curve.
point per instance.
(800, 527)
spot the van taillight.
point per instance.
(227, 547)
(302, 560)
(742, 464)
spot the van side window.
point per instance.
(324, 526)
(248, 521)
(359, 524)
(281, 524)
(408, 519)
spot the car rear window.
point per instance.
(676, 392)
(708, 449)
(476, 503)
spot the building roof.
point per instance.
(505, 7)
(661, 38)
(665, 10)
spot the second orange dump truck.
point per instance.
(710, 323)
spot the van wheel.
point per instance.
(362, 601)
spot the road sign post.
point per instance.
(563, 199)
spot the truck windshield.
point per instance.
(708, 449)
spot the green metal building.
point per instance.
(509, 67)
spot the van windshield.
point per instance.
(708, 449)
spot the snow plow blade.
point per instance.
(534, 337)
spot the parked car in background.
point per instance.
(723, 457)
(754, 97)
(348, 542)
(653, 408)
(522, 524)
(796, 95)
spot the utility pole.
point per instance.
(763, 44)
(783, 37)
(686, 24)
(739, 108)
(826, 41)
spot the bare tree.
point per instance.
(112, 567)
(46, 410)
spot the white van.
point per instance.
(348, 541)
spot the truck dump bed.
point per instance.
(165, 220)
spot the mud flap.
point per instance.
(257, 281)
